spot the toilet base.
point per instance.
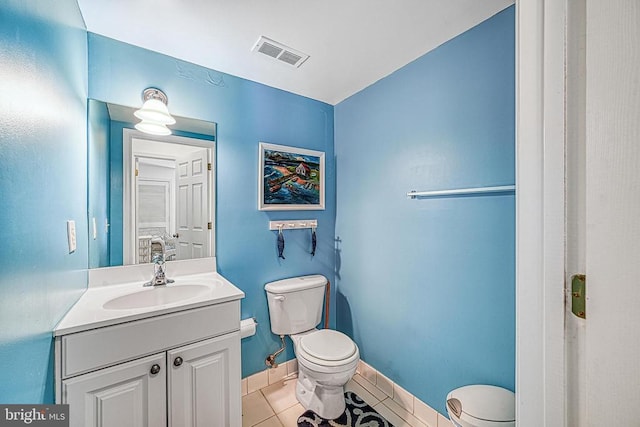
(326, 401)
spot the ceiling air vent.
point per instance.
(279, 51)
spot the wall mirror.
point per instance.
(147, 193)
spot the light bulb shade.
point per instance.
(154, 110)
(153, 128)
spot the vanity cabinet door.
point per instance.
(132, 394)
(204, 383)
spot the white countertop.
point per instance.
(89, 312)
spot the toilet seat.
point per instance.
(326, 348)
(328, 345)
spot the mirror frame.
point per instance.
(198, 132)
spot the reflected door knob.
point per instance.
(177, 361)
(176, 235)
(155, 369)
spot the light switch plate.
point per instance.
(71, 235)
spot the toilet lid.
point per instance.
(327, 344)
(486, 402)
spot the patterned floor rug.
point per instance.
(358, 413)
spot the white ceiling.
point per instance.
(351, 43)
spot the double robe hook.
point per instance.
(281, 226)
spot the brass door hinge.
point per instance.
(209, 166)
(209, 225)
(579, 295)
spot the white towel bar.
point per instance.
(462, 191)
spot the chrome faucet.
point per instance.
(159, 274)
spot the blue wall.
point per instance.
(246, 113)
(43, 172)
(427, 287)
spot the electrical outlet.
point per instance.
(71, 235)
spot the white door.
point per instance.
(612, 213)
(193, 235)
(204, 383)
(129, 395)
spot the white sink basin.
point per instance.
(115, 295)
(156, 296)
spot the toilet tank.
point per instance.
(295, 304)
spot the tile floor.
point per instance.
(275, 405)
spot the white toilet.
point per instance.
(482, 406)
(327, 359)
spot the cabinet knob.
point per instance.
(177, 361)
(155, 369)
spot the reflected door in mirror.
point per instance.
(193, 231)
(170, 187)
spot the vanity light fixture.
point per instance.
(154, 114)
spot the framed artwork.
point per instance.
(290, 178)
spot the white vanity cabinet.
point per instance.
(178, 369)
(199, 386)
(123, 395)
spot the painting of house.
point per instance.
(290, 178)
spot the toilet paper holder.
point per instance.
(248, 327)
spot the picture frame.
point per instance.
(290, 178)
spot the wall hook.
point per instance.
(295, 224)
